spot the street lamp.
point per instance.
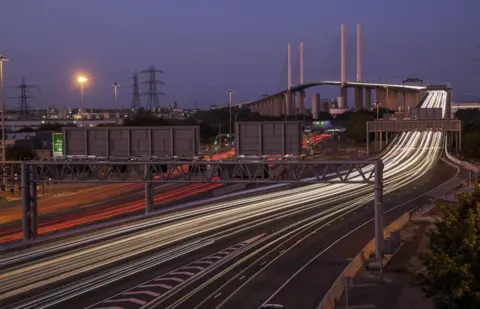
(82, 80)
(2, 106)
(230, 113)
(378, 109)
(115, 97)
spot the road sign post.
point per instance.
(378, 206)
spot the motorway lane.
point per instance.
(121, 205)
(264, 285)
(312, 282)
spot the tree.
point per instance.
(357, 126)
(471, 144)
(452, 261)
(19, 152)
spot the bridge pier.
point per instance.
(301, 101)
(290, 103)
(276, 106)
(381, 97)
(358, 99)
(448, 108)
(410, 101)
(368, 98)
(343, 94)
(392, 100)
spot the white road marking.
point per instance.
(194, 267)
(169, 278)
(130, 300)
(151, 293)
(159, 285)
(182, 273)
(216, 296)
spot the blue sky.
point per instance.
(206, 47)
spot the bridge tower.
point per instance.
(343, 65)
(358, 90)
(301, 94)
(289, 99)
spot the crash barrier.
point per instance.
(229, 189)
(336, 290)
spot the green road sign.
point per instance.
(57, 143)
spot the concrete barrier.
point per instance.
(229, 189)
(466, 165)
(336, 290)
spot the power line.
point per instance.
(151, 83)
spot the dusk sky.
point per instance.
(206, 47)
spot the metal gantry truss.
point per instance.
(203, 171)
(191, 171)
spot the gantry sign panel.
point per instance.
(126, 142)
(445, 125)
(268, 138)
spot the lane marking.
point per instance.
(179, 280)
(345, 236)
(182, 273)
(151, 293)
(127, 300)
(216, 296)
(194, 267)
(158, 285)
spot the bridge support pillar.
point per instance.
(409, 101)
(276, 106)
(381, 97)
(290, 104)
(271, 107)
(448, 108)
(301, 102)
(403, 101)
(392, 100)
(343, 94)
(358, 104)
(368, 98)
(261, 108)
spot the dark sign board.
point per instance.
(427, 113)
(124, 142)
(268, 138)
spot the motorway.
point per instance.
(284, 247)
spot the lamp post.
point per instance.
(82, 80)
(230, 114)
(115, 97)
(2, 106)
